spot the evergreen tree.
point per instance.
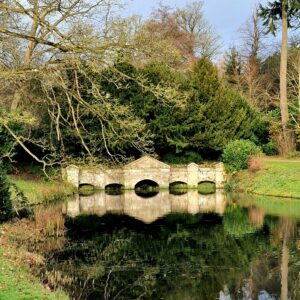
(233, 67)
(219, 115)
(205, 81)
(5, 197)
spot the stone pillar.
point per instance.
(71, 174)
(220, 176)
(192, 175)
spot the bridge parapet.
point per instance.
(146, 168)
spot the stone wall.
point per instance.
(146, 168)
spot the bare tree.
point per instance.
(48, 31)
(252, 34)
(57, 41)
(191, 19)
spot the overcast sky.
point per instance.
(227, 16)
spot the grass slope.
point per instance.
(278, 177)
(16, 283)
(39, 191)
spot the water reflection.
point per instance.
(188, 246)
(148, 209)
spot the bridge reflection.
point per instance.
(146, 210)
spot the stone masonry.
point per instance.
(146, 168)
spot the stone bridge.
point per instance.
(146, 168)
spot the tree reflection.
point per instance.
(284, 233)
(182, 256)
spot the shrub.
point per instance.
(255, 163)
(294, 154)
(270, 148)
(184, 158)
(5, 197)
(236, 154)
(8, 143)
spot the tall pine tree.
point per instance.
(287, 13)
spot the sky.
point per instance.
(227, 16)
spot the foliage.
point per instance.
(204, 80)
(163, 116)
(185, 157)
(6, 209)
(20, 201)
(219, 115)
(271, 148)
(40, 191)
(7, 142)
(272, 13)
(255, 163)
(204, 119)
(236, 154)
(233, 66)
(295, 154)
(92, 108)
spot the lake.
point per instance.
(176, 246)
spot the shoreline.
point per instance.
(278, 177)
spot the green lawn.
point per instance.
(278, 177)
(16, 283)
(40, 191)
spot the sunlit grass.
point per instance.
(41, 191)
(278, 177)
(16, 283)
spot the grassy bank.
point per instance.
(278, 177)
(18, 284)
(16, 280)
(39, 191)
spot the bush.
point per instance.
(294, 154)
(255, 163)
(5, 197)
(184, 158)
(237, 154)
(8, 143)
(270, 148)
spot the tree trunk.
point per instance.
(289, 144)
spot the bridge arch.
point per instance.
(146, 188)
(178, 183)
(206, 187)
(178, 188)
(86, 189)
(114, 189)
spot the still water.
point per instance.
(184, 246)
